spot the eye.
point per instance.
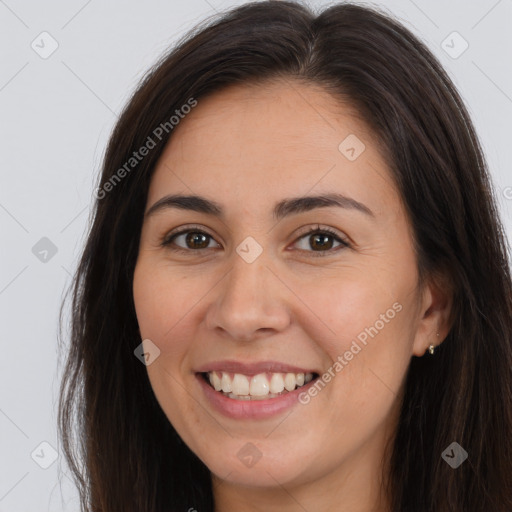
(195, 239)
(318, 238)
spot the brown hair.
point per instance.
(127, 455)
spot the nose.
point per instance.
(250, 301)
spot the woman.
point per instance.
(295, 293)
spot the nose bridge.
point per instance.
(245, 280)
(247, 299)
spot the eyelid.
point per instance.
(185, 228)
(320, 228)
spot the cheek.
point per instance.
(367, 331)
(161, 299)
(161, 302)
(356, 306)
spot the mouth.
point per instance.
(261, 386)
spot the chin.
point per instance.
(244, 464)
(264, 475)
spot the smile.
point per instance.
(261, 386)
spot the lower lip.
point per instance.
(251, 409)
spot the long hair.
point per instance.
(122, 450)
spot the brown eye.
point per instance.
(196, 240)
(188, 240)
(321, 240)
(318, 241)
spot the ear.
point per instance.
(435, 313)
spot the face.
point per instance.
(257, 297)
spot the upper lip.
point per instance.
(254, 368)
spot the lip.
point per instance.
(250, 369)
(251, 409)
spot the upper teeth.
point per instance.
(257, 385)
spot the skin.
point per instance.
(248, 147)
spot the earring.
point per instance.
(431, 347)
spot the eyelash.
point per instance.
(168, 240)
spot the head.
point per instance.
(244, 124)
(347, 308)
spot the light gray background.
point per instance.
(56, 115)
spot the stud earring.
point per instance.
(432, 347)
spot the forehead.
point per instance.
(259, 143)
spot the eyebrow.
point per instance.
(282, 209)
